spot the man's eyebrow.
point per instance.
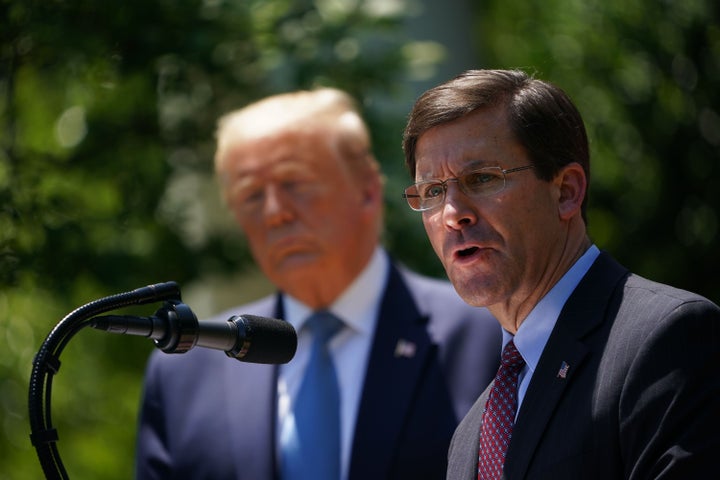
(475, 164)
(468, 167)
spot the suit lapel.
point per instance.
(249, 412)
(251, 402)
(468, 463)
(401, 348)
(541, 399)
(583, 312)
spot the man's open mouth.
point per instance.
(467, 252)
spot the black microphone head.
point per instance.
(263, 340)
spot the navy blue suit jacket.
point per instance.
(208, 416)
(638, 401)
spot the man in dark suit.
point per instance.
(604, 374)
(409, 360)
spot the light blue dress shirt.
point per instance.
(535, 330)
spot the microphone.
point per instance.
(175, 329)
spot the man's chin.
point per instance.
(475, 290)
(299, 263)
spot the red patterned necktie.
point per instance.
(499, 415)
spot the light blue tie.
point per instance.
(311, 451)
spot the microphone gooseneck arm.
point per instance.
(174, 329)
(47, 363)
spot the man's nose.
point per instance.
(458, 209)
(276, 204)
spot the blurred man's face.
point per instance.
(308, 220)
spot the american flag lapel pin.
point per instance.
(564, 367)
(404, 348)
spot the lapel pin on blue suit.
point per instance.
(562, 373)
(404, 348)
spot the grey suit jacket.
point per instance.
(640, 400)
(205, 416)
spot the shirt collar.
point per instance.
(535, 330)
(357, 305)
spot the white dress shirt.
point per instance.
(358, 308)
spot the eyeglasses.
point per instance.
(482, 182)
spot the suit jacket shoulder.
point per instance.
(634, 400)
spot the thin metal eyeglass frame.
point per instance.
(444, 183)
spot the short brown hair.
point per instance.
(542, 117)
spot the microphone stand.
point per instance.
(46, 364)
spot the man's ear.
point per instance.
(373, 186)
(572, 185)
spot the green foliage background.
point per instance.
(646, 76)
(107, 113)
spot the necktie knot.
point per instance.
(511, 358)
(323, 325)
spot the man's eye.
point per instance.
(253, 197)
(302, 188)
(293, 186)
(246, 196)
(480, 179)
(432, 190)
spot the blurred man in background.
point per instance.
(387, 362)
